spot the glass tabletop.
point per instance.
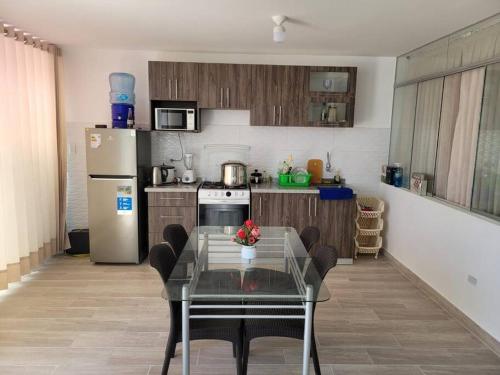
(213, 269)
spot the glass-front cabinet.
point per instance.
(331, 95)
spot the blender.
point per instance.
(188, 177)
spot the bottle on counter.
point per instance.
(397, 175)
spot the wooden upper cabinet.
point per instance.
(266, 94)
(173, 81)
(279, 95)
(185, 81)
(224, 86)
(294, 96)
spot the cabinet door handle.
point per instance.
(170, 89)
(176, 89)
(260, 206)
(315, 205)
(227, 97)
(309, 199)
(221, 97)
(274, 115)
(171, 216)
(280, 117)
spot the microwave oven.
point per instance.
(180, 119)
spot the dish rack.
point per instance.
(369, 225)
(291, 179)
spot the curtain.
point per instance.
(486, 195)
(465, 137)
(426, 128)
(449, 113)
(29, 187)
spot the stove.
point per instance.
(221, 205)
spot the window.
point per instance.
(403, 121)
(486, 192)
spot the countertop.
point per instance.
(175, 188)
(273, 187)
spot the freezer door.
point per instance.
(113, 220)
(111, 152)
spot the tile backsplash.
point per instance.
(357, 152)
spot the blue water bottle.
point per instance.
(398, 175)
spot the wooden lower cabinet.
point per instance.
(334, 218)
(170, 208)
(268, 209)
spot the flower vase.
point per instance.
(248, 252)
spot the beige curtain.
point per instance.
(463, 150)
(29, 187)
(449, 113)
(426, 128)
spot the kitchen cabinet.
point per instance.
(225, 86)
(279, 95)
(331, 87)
(299, 210)
(173, 81)
(166, 208)
(336, 221)
(334, 218)
(268, 209)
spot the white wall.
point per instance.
(443, 245)
(358, 152)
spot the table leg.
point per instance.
(185, 330)
(307, 330)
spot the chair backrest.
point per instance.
(163, 259)
(324, 259)
(176, 236)
(309, 236)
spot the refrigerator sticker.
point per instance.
(95, 140)
(124, 200)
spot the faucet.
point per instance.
(328, 167)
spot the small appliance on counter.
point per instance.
(256, 177)
(188, 177)
(162, 175)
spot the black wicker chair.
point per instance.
(324, 259)
(162, 257)
(309, 236)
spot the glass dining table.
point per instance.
(281, 276)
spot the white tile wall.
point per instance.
(357, 152)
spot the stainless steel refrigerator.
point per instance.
(118, 168)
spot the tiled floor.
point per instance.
(73, 317)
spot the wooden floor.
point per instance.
(72, 317)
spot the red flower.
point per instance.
(251, 240)
(241, 234)
(249, 223)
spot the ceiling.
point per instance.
(333, 27)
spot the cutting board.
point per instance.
(315, 167)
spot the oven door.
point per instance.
(171, 119)
(220, 214)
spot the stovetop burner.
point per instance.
(218, 185)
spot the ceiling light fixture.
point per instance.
(279, 30)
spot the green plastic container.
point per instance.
(299, 180)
